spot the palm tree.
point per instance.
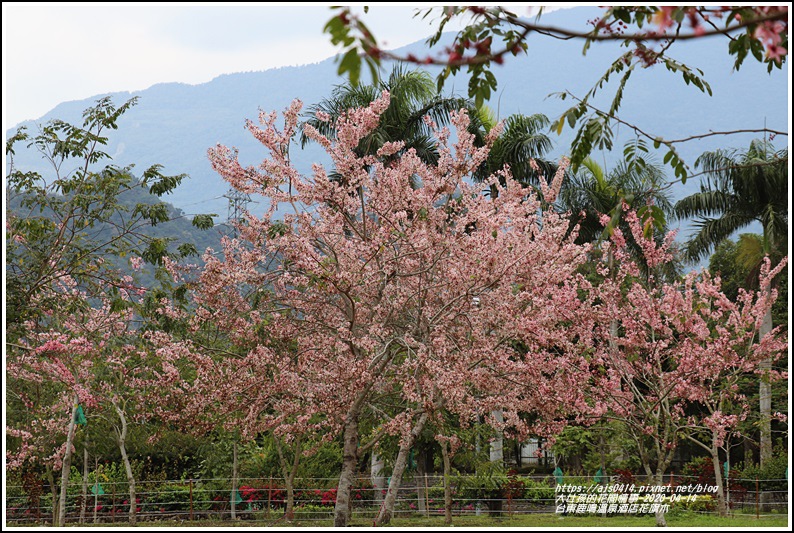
(742, 188)
(592, 192)
(413, 96)
(520, 141)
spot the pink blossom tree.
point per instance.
(372, 287)
(84, 353)
(738, 347)
(665, 347)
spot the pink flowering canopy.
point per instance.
(667, 346)
(370, 286)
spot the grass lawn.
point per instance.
(539, 520)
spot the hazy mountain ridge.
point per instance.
(175, 123)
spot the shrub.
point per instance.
(539, 492)
(176, 497)
(312, 512)
(772, 476)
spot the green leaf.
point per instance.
(187, 249)
(351, 63)
(203, 222)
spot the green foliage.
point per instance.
(541, 492)
(85, 219)
(310, 511)
(412, 97)
(176, 497)
(521, 141)
(339, 28)
(741, 188)
(773, 475)
(485, 484)
(202, 221)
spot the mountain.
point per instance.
(175, 123)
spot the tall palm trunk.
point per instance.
(765, 406)
(765, 397)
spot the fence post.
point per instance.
(427, 498)
(191, 499)
(96, 487)
(756, 498)
(113, 505)
(269, 493)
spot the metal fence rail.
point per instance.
(264, 499)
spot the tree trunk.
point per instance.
(715, 458)
(603, 460)
(661, 521)
(121, 436)
(765, 406)
(447, 486)
(421, 502)
(349, 463)
(765, 397)
(288, 472)
(496, 452)
(477, 448)
(233, 499)
(378, 479)
(84, 492)
(66, 466)
(54, 493)
(387, 510)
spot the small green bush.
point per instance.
(313, 512)
(541, 492)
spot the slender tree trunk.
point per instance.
(387, 510)
(477, 448)
(661, 521)
(603, 459)
(54, 493)
(84, 492)
(765, 397)
(765, 406)
(378, 479)
(715, 458)
(121, 436)
(233, 499)
(66, 466)
(496, 452)
(289, 472)
(349, 463)
(447, 486)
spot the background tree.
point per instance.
(413, 96)
(75, 222)
(676, 344)
(742, 188)
(72, 240)
(521, 140)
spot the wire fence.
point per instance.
(264, 499)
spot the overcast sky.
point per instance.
(59, 52)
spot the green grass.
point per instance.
(540, 520)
